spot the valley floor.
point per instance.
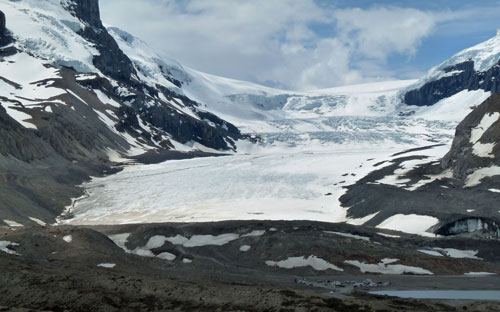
(81, 269)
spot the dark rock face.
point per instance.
(466, 79)
(115, 64)
(86, 10)
(2, 23)
(111, 60)
(18, 142)
(461, 158)
(4, 35)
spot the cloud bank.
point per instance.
(296, 45)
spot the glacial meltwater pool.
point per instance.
(443, 294)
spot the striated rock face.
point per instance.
(476, 140)
(111, 60)
(4, 37)
(85, 10)
(2, 23)
(459, 77)
(17, 142)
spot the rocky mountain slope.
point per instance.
(72, 103)
(78, 97)
(462, 190)
(475, 68)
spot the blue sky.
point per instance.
(307, 44)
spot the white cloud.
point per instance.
(277, 40)
(381, 31)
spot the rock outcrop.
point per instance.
(4, 36)
(457, 78)
(476, 140)
(112, 62)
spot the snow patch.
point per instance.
(364, 238)
(388, 235)
(297, 262)
(486, 122)
(479, 273)
(413, 224)
(386, 268)
(166, 256)
(4, 247)
(107, 265)
(12, 223)
(361, 221)
(38, 221)
(431, 252)
(245, 248)
(68, 238)
(460, 254)
(475, 178)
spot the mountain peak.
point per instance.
(86, 11)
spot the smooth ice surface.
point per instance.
(297, 262)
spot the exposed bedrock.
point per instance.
(461, 77)
(4, 34)
(476, 141)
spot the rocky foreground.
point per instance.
(236, 266)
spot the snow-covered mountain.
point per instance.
(475, 68)
(77, 96)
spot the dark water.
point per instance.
(443, 294)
